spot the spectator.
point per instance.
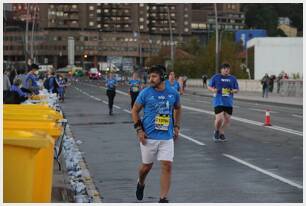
(204, 79)
(16, 95)
(278, 82)
(31, 80)
(6, 83)
(271, 83)
(265, 85)
(285, 76)
(12, 75)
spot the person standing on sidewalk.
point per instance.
(223, 85)
(265, 85)
(173, 83)
(111, 84)
(204, 80)
(135, 87)
(156, 131)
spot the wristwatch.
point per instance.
(138, 124)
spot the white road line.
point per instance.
(283, 129)
(127, 111)
(116, 106)
(298, 116)
(282, 179)
(191, 139)
(261, 110)
(105, 102)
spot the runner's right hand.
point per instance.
(142, 137)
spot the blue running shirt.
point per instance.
(111, 84)
(223, 84)
(158, 112)
(176, 86)
(134, 85)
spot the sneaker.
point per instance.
(163, 200)
(216, 137)
(139, 191)
(222, 138)
(110, 112)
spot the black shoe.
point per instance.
(163, 200)
(139, 191)
(216, 137)
(222, 138)
(110, 112)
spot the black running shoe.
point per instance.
(222, 138)
(163, 200)
(139, 191)
(216, 136)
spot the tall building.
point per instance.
(230, 18)
(103, 31)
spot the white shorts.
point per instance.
(162, 149)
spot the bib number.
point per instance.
(226, 92)
(162, 122)
(135, 89)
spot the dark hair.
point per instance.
(225, 65)
(34, 66)
(170, 72)
(159, 69)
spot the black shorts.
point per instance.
(228, 110)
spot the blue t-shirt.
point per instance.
(15, 88)
(223, 84)
(134, 85)
(33, 79)
(176, 86)
(111, 84)
(158, 112)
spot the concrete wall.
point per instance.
(292, 88)
(275, 54)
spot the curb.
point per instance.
(91, 189)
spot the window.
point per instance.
(185, 23)
(233, 6)
(186, 30)
(91, 8)
(172, 14)
(141, 19)
(141, 5)
(91, 15)
(91, 23)
(194, 26)
(74, 6)
(154, 7)
(141, 27)
(106, 10)
(186, 15)
(98, 11)
(99, 26)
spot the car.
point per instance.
(94, 73)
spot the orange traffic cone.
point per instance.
(267, 119)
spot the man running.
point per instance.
(156, 131)
(111, 84)
(135, 87)
(173, 83)
(223, 85)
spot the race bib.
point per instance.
(162, 122)
(135, 89)
(226, 92)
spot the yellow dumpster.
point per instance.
(43, 117)
(28, 166)
(52, 128)
(22, 112)
(26, 106)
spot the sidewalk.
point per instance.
(252, 96)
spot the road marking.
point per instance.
(283, 129)
(127, 111)
(282, 179)
(105, 102)
(298, 116)
(116, 106)
(191, 139)
(261, 110)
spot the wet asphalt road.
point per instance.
(256, 165)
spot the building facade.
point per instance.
(102, 30)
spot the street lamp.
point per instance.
(171, 36)
(217, 37)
